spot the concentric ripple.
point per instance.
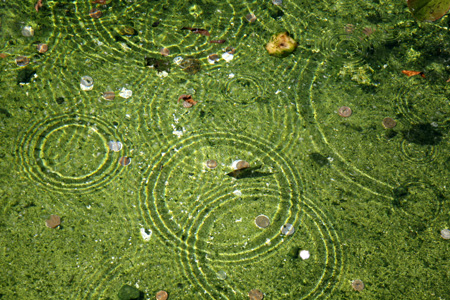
(419, 201)
(209, 215)
(423, 104)
(50, 153)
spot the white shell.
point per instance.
(86, 83)
(178, 60)
(115, 146)
(304, 254)
(146, 234)
(237, 193)
(227, 56)
(162, 74)
(124, 93)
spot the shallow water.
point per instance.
(367, 202)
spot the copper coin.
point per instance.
(109, 96)
(358, 285)
(95, 13)
(212, 164)
(242, 164)
(389, 123)
(42, 48)
(164, 52)
(125, 161)
(250, 17)
(345, 111)
(162, 295)
(22, 61)
(53, 222)
(262, 221)
(255, 294)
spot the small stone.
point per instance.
(281, 45)
(445, 234)
(190, 65)
(53, 222)
(128, 292)
(358, 285)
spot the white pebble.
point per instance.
(146, 234)
(124, 93)
(115, 146)
(304, 254)
(227, 56)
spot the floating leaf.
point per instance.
(428, 10)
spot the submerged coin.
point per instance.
(250, 17)
(86, 83)
(212, 164)
(358, 285)
(262, 221)
(125, 161)
(239, 164)
(389, 123)
(42, 48)
(22, 61)
(161, 295)
(109, 96)
(255, 295)
(222, 275)
(28, 31)
(345, 111)
(287, 229)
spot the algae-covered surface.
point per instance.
(367, 202)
